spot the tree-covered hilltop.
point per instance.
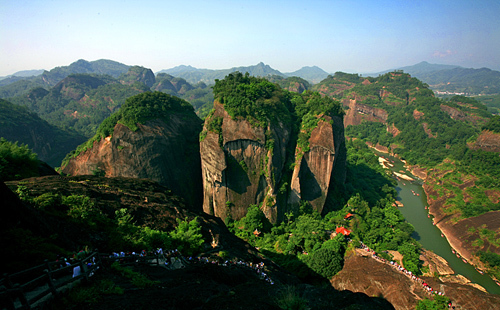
(335, 85)
(254, 99)
(51, 143)
(302, 242)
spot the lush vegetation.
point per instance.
(255, 99)
(17, 161)
(119, 230)
(427, 135)
(493, 124)
(302, 242)
(437, 303)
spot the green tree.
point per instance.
(187, 236)
(17, 161)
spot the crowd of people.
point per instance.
(406, 272)
(173, 259)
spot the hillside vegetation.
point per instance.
(437, 135)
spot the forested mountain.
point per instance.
(51, 143)
(274, 165)
(18, 85)
(80, 102)
(452, 141)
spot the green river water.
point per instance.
(426, 233)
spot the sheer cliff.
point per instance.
(265, 146)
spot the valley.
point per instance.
(276, 169)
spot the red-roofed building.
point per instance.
(342, 230)
(348, 216)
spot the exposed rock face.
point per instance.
(358, 112)
(166, 152)
(487, 141)
(322, 165)
(366, 275)
(242, 171)
(454, 113)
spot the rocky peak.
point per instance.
(246, 161)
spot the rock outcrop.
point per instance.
(165, 150)
(488, 141)
(362, 273)
(358, 112)
(241, 168)
(322, 165)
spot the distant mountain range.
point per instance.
(453, 79)
(443, 78)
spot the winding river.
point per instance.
(413, 197)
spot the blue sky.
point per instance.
(350, 36)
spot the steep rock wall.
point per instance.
(320, 167)
(238, 170)
(358, 112)
(243, 165)
(166, 152)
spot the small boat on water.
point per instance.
(479, 271)
(464, 260)
(452, 251)
(442, 235)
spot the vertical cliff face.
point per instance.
(239, 167)
(358, 112)
(321, 167)
(164, 148)
(243, 164)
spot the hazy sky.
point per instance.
(350, 36)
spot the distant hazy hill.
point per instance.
(453, 79)
(102, 66)
(312, 74)
(20, 75)
(465, 80)
(208, 76)
(421, 69)
(17, 85)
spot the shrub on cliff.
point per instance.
(254, 99)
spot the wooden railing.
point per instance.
(28, 288)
